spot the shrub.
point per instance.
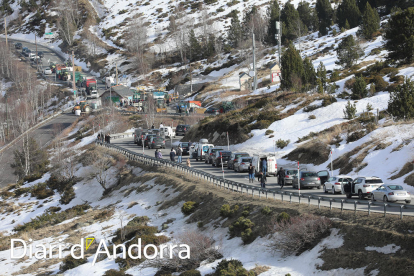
(69, 263)
(282, 143)
(67, 196)
(261, 124)
(269, 131)
(231, 267)
(349, 83)
(380, 83)
(228, 212)
(245, 213)
(6, 194)
(192, 272)
(359, 89)
(200, 224)
(328, 100)
(311, 117)
(310, 108)
(242, 227)
(20, 191)
(350, 111)
(40, 191)
(355, 136)
(122, 12)
(397, 79)
(266, 211)
(299, 233)
(189, 207)
(114, 272)
(283, 217)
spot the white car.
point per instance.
(362, 186)
(391, 192)
(242, 164)
(48, 71)
(335, 184)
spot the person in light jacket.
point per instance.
(172, 155)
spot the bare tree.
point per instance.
(68, 19)
(102, 164)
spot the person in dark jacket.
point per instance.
(281, 177)
(156, 153)
(263, 179)
(251, 173)
(109, 139)
(172, 155)
(264, 165)
(99, 136)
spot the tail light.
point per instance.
(235, 160)
(153, 142)
(242, 163)
(302, 179)
(211, 153)
(391, 193)
(365, 185)
(163, 141)
(337, 183)
(287, 176)
(319, 178)
(408, 193)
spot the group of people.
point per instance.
(179, 154)
(125, 102)
(262, 175)
(104, 137)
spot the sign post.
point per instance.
(228, 141)
(331, 162)
(143, 144)
(298, 179)
(222, 169)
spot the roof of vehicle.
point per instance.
(368, 177)
(240, 152)
(343, 176)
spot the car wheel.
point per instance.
(324, 189)
(333, 190)
(319, 187)
(372, 198)
(360, 195)
(385, 199)
(408, 201)
(213, 165)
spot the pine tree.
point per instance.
(309, 74)
(359, 89)
(325, 12)
(370, 22)
(399, 36)
(194, 46)
(289, 17)
(350, 111)
(348, 52)
(273, 15)
(320, 86)
(308, 16)
(346, 27)
(292, 67)
(401, 103)
(348, 10)
(234, 34)
(321, 74)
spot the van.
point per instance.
(167, 131)
(202, 150)
(137, 134)
(271, 164)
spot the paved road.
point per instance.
(128, 143)
(43, 134)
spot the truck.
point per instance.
(90, 85)
(271, 164)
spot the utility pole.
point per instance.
(279, 37)
(5, 30)
(73, 71)
(116, 66)
(37, 61)
(254, 65)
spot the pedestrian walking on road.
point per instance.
(251, 173)
(99, 136)
(264, 165)
(281, 177)
(172, 155)
(102, 138)
(188, 163)
(180, 154)
(109, 139)
(156, 153)
(262, 177)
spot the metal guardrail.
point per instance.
(249, 189)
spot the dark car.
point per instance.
(40, 54)
(24, 49)
(147, 139)
(18, 45)
(307, 180)
(181, 129)
(221, 157)
(27, 52)
(185, 146)
(157, 142)
(212, 110)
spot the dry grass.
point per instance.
(258, 269)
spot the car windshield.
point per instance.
(225, 153)
(180, 127)
(184, 144)
(309, 174)
(395, 187)
(373, 181)
(158, 139)
(205, 148)
(292, 172)
(241, 155)
(248, 160)
(347, 180)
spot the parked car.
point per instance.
(308, 179)
(157, 132)
(141, 137)
(33, 56)
(24, 49)
(185, 146)
(40, 54)
(362, 186)
(18, 45)
(181, 129)
(212, 110)
(193, 150)
(270, 161)
(208, 158)
(147, 139)
(48, 71)
(233, 158)
(391, 192)
(157, 142)
(27, 52)
(242, 164)
(335, 184)
(220, 157)
(289, 175)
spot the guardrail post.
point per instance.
(241, 189)
(282, 195)
(260, 193)
(309, 198)
(369, 208)
(290, 199)
(342, 205)
(330, 204)
(355, 206)
(274, 195)
(385, 209)
(319, 203)
(299, 199)
(401, 212)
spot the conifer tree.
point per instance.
(359, 89)
(234, 34)
(308, 16)
(292, 66)
(401, 103)
(321, 74)
(370, 22)
(348, 10)
(325, 12)
(348, 52)
(194, 46)
(289, 17)
(273, 15)
(309, 74)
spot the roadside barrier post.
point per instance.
(369, 208)
(290, 198)
(309, 198)
(401, 211)
(385, 209)
(299, 199)
(319, 203)
(342, 205)
(282, 195)
(355, 206)
(330, 204)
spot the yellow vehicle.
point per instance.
(83, 107)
